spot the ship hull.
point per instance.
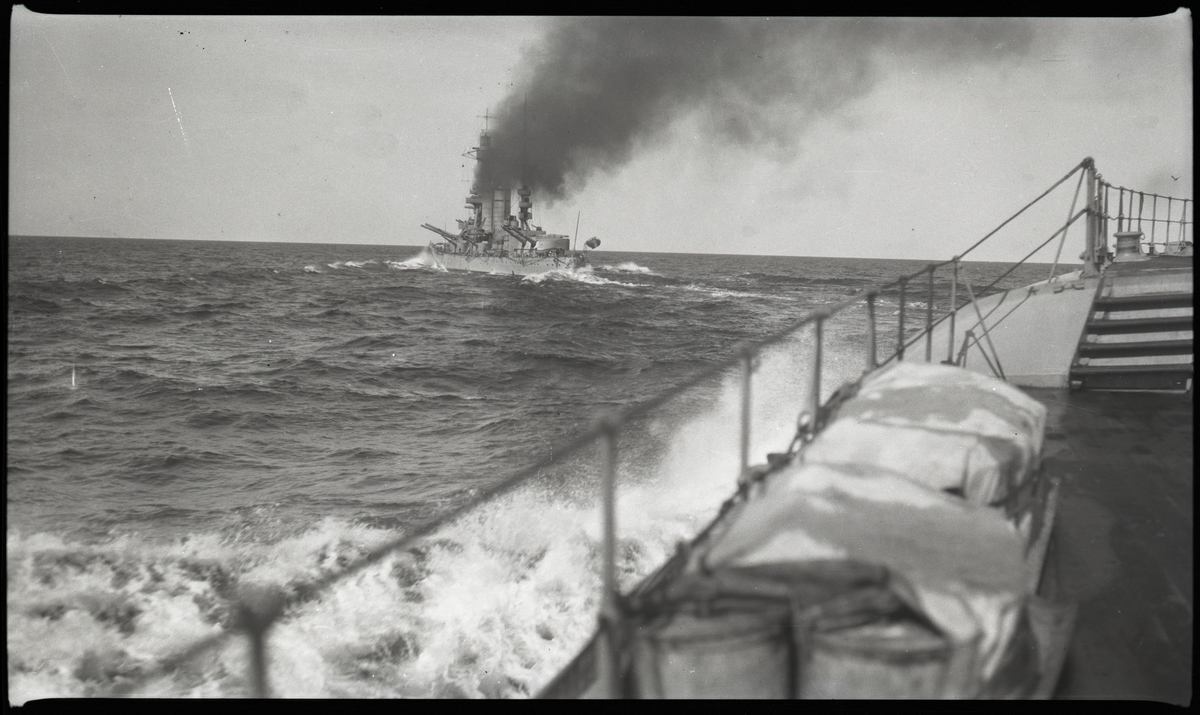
(509, 264)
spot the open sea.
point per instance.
(186, 418)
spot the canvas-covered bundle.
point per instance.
(959, 565)
(947, 428)
(877, 566)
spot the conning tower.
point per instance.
(479, 220)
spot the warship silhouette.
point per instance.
(492, 240)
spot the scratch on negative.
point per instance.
(42, 665)
(180, 120)
(60, 64)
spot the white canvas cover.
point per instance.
(965, 563)
(941, 426)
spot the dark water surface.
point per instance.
(188, 416)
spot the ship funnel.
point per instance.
(499, 211)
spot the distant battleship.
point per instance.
(491, 240)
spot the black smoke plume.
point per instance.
(599, 89)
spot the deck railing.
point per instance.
(1166, 216)
(257, 610)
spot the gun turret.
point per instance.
(518, 235)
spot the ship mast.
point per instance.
(524, 136)
(475, 201)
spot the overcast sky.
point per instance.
(352, 130)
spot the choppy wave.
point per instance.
(491, 605)
(802, 279)
(722, 292)
(235, 426)
(88, 619)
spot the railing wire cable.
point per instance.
(1043, 195)
(974, 303)
(929, 318)
(1070, 213)
(953, 310)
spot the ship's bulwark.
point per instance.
(260, 412)
(510, 264)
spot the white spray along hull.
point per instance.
(509, 264)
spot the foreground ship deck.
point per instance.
(1123, 541)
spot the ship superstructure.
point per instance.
(492, 240)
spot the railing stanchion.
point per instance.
(929, 319)
(815, 397)
(610, 612)
(254, 613)
(1153, 218)
(747, 354)
(1092, 230)
(900, 347)
(872, 360)
(608, 445)
(258, 664)
(953, 312)
(1183, 226)
(1102, 239)
(1168, 227)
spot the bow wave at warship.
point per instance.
(492, 240)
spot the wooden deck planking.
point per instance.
(1123, 541)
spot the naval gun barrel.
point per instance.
(444, 234)
(517, 235)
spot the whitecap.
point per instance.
(721, 292)
(629, 267)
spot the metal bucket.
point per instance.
(740, 654)
(877, 660)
